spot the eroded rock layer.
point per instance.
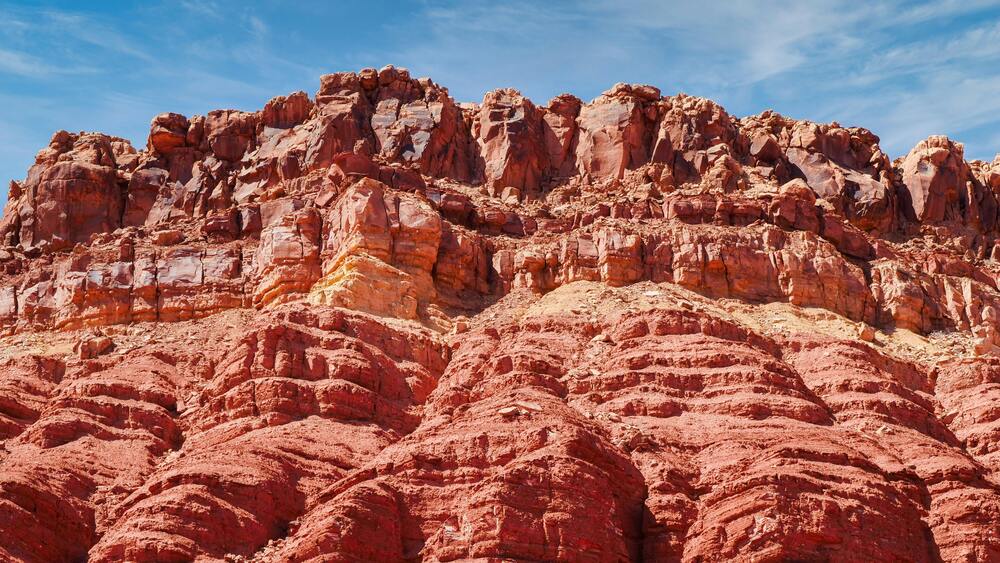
(376, 324)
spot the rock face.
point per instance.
(72, 192)
(943, 188)
(379, 325)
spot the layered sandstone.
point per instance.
(379, 324)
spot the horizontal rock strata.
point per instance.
(377, 324)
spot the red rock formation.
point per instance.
(615, 131)
(72, 192)
(509, 130)
(377, 324)
(845, 166)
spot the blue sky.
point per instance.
(903, 69)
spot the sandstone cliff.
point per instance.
(376, 324)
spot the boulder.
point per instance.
(167, 132)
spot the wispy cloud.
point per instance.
(91, 31)
(202, 8)
(975, 46)
(48, 43)
(907, 13)
(257, 26)
(754, 40)
(30, 66)
(23, 64)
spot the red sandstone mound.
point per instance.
(379, 325)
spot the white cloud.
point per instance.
(22, 64)
(91, 31)
(257, 26)
(202, 8)
(950, 103)
(29, 66)
(976, 45)
(927, 11)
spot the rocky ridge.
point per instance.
(377, 324)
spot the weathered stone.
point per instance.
(167, 132)
(509, 131)
(388, 327)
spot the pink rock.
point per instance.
(934, 174)
(509, 131)
(613, 131)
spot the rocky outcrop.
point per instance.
(615, 131)
(73, 191)
(287, 258)
(943, 188)
(509, 129)
(894, 403)
(380, 249)
(844, 166)
(415, 121)
(377, 324)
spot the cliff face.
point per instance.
(376, 324)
